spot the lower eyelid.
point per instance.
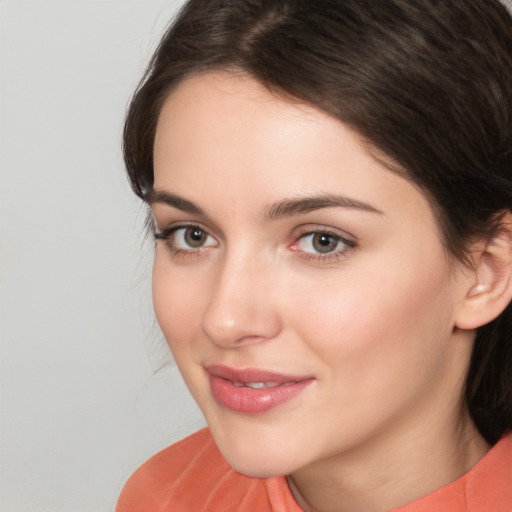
(168, 235)
(332, 257)
(340, 238)
(347, 246)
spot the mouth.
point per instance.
(261, 385)
(253, 391)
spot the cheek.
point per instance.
(379, 350)
(176, 300)
(387, 320)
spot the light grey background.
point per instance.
(80, 407)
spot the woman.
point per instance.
(330, 185)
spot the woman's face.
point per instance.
(301, 286)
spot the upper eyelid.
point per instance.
(286, 209)
(296, 233)
(174, 226)
(308, 229)
(167, 236)
(343, 239)
(160, 212)
(350, 241)
(350, 244)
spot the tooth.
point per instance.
(272, 384)
(259, 385)
(256, 385)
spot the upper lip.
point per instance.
(248, 375)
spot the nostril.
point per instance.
(248, 323)
(239, 309)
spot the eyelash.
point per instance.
(330, 257)
(167, 235)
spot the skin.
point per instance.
(374, 321)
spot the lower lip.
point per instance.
(252, 401)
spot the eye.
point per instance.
(186, 238)
(192, 237)
(323, 245)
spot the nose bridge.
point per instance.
(239, 309)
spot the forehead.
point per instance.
(226, 136)
(219, 118)
(236, 104)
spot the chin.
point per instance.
(255, 455)
(261, 466)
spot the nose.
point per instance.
(240, 309)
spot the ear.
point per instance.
(489, 288)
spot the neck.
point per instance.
(430, 443)
(387, 474)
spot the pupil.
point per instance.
(195, 237)
(324, 243)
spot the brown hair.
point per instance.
(427, 83)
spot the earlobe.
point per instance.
(490, 289)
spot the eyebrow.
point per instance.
(302, 205)
(281, 209)
(158, 196)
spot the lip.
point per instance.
(244, 399)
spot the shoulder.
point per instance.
(193, 475)
(491, 484)
(485, 488)
(175, 469)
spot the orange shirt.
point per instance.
(192, 476)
